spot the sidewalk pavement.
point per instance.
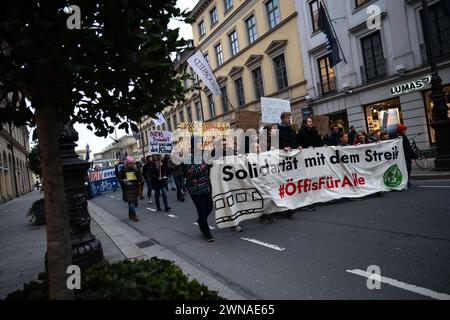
(23, 245)
(135, 245)
(428, 173)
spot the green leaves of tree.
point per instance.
(86, 74)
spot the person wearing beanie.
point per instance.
(409, 153)
(130, 178)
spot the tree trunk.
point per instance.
(59, 248)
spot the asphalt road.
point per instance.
(317, 255)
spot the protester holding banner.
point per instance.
(361, 138)
(343, 140)
(288, 140)
(147, 177)
(384, 136)
(227, 150)
(352, 135)
(409, 153)
(198, 185)
(130, 178)
(158, 175)
(308, 136)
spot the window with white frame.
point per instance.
(228, 4)
(213, 16)
(250, 24)
(234, 44)
(219, 54)
(273, 13)
(201, 29)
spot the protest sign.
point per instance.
(159, 142)
(245, 187)
(273, 108)
(159, 120)
(322, 124)
(209, 131)
(247, 119)
(202, 68)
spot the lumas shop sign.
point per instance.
(410, 86)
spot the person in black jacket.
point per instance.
(409, 153)
(288, 141)
(308, 136)
(158, 176)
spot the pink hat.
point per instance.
(129, 159)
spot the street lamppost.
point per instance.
(440, 121)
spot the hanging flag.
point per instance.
(160, 119)
(203, 70)
(325, 27)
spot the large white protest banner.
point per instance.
(202, 68)
(272, 109)
(160, 142)
(245, 187)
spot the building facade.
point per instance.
(116, 150)
(15, 177)
(253, 49)
(385, 76)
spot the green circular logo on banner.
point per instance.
(393, 177)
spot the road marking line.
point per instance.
(212, 228)
(151, 209)
(434, 186)
(404, 286)
(265, 244)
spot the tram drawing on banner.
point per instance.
(240, 202)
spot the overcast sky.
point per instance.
(96, 144)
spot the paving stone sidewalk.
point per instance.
(23, 245)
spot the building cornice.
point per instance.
(13, 141)
(199, 8)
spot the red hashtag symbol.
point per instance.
(282, 191)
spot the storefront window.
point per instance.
(429, 105)
(385, 115)
(339, 120)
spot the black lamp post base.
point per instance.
(442, 129)
(88, 254)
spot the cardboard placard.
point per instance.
(247, 120)
(322, 124)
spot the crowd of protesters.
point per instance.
(159, 173)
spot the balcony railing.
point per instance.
(374, 71)
(326, 88)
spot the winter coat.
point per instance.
(409, 153)
(176, 170)
(287, 137)
(130, 178)
(309, 137)
(155, 175)
(146, 170)
(197, 179)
